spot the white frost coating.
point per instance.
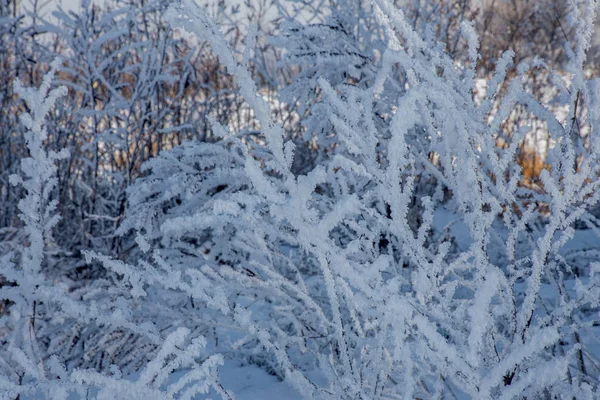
(408, 260)
(25, 370)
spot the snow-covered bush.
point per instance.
(334, 282)
(36, 303)
(408, 261)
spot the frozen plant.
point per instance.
(37, 211)
(26, 368)
(331, 281)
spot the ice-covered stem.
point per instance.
(189, 16)
(37, 211)
(583, 41)
(39, 170)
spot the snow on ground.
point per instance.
(248, 382)
(252, 383)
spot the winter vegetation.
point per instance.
(300, 199)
